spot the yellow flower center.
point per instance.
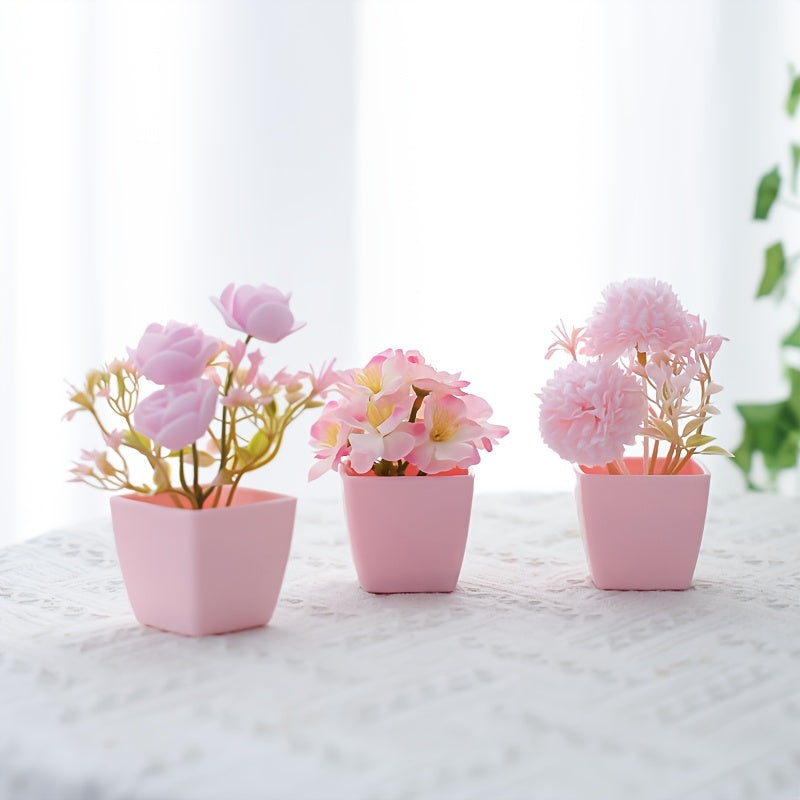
(331, 435)
(444, 427)
(375, 416)
(371, 378)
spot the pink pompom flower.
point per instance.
(589, 412)
(173, 353)
(259, 311)
(651, 378)
(636, 315)
(179, 414)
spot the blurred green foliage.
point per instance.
(773, 429)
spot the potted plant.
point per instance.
(403, 435)
(199, 554)
(645, 376)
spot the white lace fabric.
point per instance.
(526, 682)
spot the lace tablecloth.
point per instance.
(526, 682)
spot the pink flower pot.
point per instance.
(407, 534)
(642, 531)
(201, 572)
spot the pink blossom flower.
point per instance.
(237, 398)
(589, 412)
(384, 374)
(236, 352)
(114, 439)
(565, 341)
(173, 353)
(449, 436)
(177, 415)
(479, 411)
(383, 435)
(702, 342)
(329, 439)
(638, 314)
(259, 311)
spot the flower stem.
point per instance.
(198, 492)
(421, 394)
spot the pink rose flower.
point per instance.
(259, 311)
(177, 415)
(639, 314)
(173, 353)
(589, 412)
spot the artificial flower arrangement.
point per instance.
(398, 416)
(218, 410)
(199, 554)
(415, 432)
(645, 355)
(645, 374)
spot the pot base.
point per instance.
(407, 534)
(216, 570)
(642, 532)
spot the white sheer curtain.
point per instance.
(150, 153)
(517, 156)
(452, 176)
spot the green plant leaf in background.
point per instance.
(774, 269)
(794, 95)
(795, 165)
(794, 395)
(792, 339)
(767, 193)
(773, 430)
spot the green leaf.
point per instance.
(693, 425)
(715, 450)
(204, 459)
(794, 96)
(137, 441)
(792, 339)
(767, 193)
(699, 439)
(774, 269)
(258, 445)
(795, 165)
(794, 392)
(773, 429)
(664, 428)
(161, 478)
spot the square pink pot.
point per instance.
(642, 531)
(200, 572)
(407, 534)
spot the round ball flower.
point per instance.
(259, 311)
(173, 353)
(177, 415)
(640, 314)
(589, 412)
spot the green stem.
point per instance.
(421, 394)
(198, 492)
(182, 474)
(223, 438)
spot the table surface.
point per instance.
(526, 682)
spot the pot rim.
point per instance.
(580, 471)
(146, 501)
(347, 473)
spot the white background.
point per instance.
(451, 176)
